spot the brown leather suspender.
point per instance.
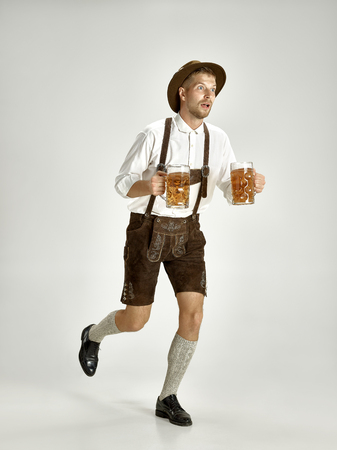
(161, 165)
(196, 176)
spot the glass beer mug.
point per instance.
(242, 180)
(177, 186)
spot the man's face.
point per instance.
(197, 99)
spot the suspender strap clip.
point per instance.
(205, 171)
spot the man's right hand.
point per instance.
(157, 183)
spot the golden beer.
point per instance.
(177, 190)
(242, 186)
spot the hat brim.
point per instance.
(179, 77)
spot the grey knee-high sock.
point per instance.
(179, 357)
(104, 328)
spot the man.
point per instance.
(157, 234)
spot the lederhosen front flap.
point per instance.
(172, 231)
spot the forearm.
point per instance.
(140, 188)
(155, 186)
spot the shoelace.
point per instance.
(174, 404)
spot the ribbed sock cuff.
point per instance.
(106, 327)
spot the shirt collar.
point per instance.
(184, 128)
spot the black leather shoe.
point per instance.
(88, 355)
(169, 408)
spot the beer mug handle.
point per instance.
(162, 168)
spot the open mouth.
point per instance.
(205, 105)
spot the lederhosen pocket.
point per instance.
(170, 231)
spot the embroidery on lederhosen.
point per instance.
(171, 226)
(131, 294)
(128, 292)
(179, 247)
(156, 246)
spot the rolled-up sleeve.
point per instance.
(136, 162)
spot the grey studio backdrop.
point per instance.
(79, 80)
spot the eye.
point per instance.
(213, 89)
(200, 87)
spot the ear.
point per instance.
(181, 92)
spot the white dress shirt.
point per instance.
(186, 146)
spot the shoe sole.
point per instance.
(164, 415)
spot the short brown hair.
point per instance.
(186, 83)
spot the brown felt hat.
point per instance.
(184, 71)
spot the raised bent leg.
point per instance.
(133, 318)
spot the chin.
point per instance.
(204, 115)
(201, 115)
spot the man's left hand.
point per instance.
(259, 182)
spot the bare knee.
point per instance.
(191, 321)
(190, 314)
(133, 318)
(137, 323)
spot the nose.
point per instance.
(208, 93)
